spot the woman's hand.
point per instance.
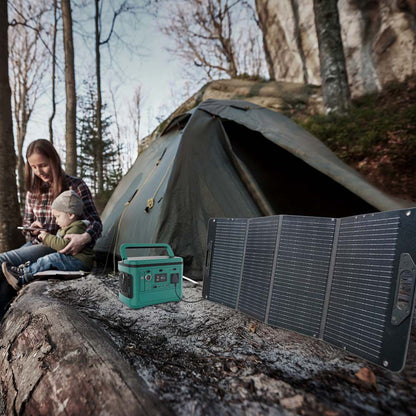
(36, 224)
(78, 241)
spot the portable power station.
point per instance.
(149, 280)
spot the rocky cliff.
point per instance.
(379, 39)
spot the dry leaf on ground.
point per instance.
(367, 376)
(292, 402)
(252, 327)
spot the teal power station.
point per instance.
(149, 280)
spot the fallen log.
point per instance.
(55, 360)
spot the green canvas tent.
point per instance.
(229, 159)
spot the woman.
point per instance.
(45, 180)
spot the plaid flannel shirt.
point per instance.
(40, 210)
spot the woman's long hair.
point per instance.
(33, 183)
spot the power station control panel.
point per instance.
(161, 278)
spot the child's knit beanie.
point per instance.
(69, 202)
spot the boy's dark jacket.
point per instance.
(58, 242)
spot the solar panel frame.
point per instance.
(348, 281)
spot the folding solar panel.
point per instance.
(348, 281)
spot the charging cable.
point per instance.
(182, 299)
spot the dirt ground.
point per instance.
(206, 359)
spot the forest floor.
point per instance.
(206, 359)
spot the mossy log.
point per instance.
(54, 360)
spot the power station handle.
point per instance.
(125, 247)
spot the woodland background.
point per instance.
(355, 63)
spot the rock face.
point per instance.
(284, 97)
(379, 39)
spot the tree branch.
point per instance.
(14, 22)
(124, 7)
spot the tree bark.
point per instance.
(100, 167)
(9, 208)
(263, 24)
(53, 360)
(298, 37)
(55, 29)
(71, 101)
(21, 168)
(335, 88)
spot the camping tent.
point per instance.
(229, 159)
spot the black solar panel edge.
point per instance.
(208, 258)
(397, 334)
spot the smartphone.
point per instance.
(31, 229)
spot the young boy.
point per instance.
(67, 208)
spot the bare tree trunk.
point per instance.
(335, 88)
(118, 136)
(262, 22)
(55, 28)
(71, 100)
(21, 167)
(21, 117)
(100, 167)
(9, 208)
(137, 112)
(298, 37)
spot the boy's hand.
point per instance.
(36, 224)
(42, 235)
